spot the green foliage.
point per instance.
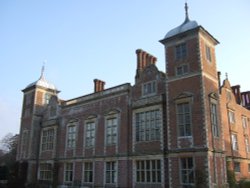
(201, 179)
(231, 179)
(244, 183)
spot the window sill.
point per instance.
(185, 137)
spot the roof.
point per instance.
(42, 82)
(185, 26)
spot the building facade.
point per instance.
(178, 128)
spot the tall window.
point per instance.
(231, 117)
(234, 142)
(24, 143)
(71, 140)
(187, 171)
(111, 173)
(236, 167)
(47, 97)
(149, 88)
(90, 134)
(111, 131)
(148, 125)
(208, 53)
(214, 120)
(184, 119)
(48, 139)
(45, 171)
(88, 172)
(68, 172)
(244, 122)
(247, 145)
(181, 51)
(148, 171)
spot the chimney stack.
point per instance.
(99, 85)
(219, 80)
(144, 59)
(237, 94)
(246, 99)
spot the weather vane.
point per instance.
(43, 67)
(186, 9)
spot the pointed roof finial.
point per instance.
(226, 76)
(43, 68)
(186, 12)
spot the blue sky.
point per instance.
(82, 40)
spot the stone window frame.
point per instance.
(235, 143)
(68, 175)
(149, 88)
(113, 172)
(187, 170)
(213, 99)
(151, 128)
(184, 98)
(45, 173)
(112, 115)
(46, 98)
(71, 123)
(231, 117)
(237, 168)
(88, 172)
(183, 68)
(247, 144)
(244, 122)
(181, 51)
(208, 53)
(142, 109)
(91, 120)
(151, 167)
(49, 143)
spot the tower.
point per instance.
(36, 97)
(194, 132)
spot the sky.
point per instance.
(81, 40)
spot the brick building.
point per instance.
(181, 128)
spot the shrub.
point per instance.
(244, 183)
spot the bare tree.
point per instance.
(9, 143)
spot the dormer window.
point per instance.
(181, 51)
(149, 88)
